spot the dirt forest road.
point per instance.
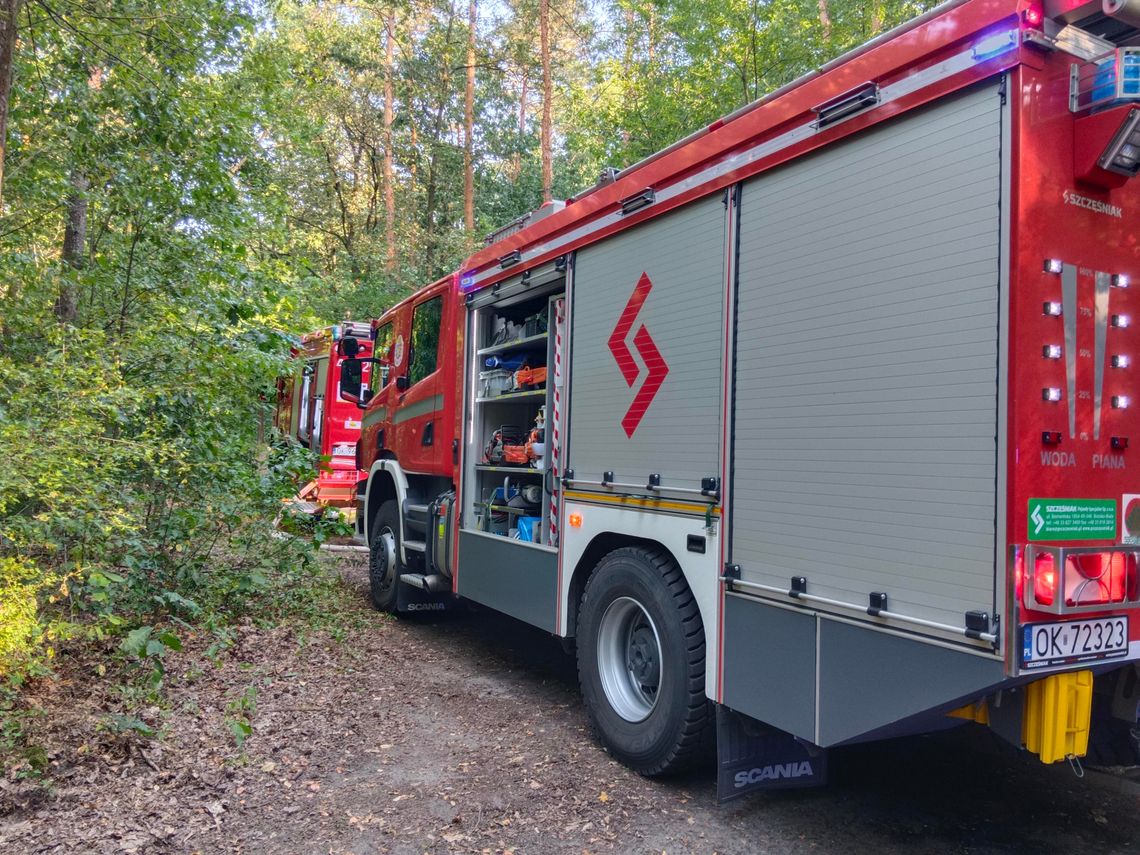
(465, 734)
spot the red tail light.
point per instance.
(1044, 579)
(1100, 577)
(1082, 581)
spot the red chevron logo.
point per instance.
(650, 355)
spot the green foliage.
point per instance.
(239, 714)
(141, 474)
(118, 723)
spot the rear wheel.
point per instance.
(641, 661)
(384, 557)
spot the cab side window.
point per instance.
(426, 320)
(378, 378)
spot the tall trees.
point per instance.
(9, 19)
(547, 102)
(381, 136)
(469, 124)
(389, 118)
(130, 431)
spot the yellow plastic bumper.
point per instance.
(1058, 709)
(1055, 719)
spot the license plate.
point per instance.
(1067, 642)
(344, 450)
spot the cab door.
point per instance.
(417, 419)
(376, 436)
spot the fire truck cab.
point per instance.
(813, 428)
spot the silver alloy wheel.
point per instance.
(388, 556)
(629, 659)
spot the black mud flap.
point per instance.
(413, 600)
(753, 756)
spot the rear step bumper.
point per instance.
(434, 582)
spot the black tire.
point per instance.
(1112, 742)
(384, 557)
(639, 593)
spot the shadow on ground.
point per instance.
(961, 790)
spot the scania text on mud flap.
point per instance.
(837, 399)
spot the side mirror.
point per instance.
(402, 382)
(348, 347)
(351, 378)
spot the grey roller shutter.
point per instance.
(867, 356)
(683, 256)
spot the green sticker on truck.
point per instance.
(1072, 519)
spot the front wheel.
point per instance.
(641, 661)
(384, 557)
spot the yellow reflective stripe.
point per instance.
(646, 502)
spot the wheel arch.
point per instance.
(385, 481)
(694, 542)
(599, 547)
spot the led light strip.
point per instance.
(1069, 314)
(935, 73)
(1103, 281)
(555, 417)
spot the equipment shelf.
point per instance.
(510, 345)
(519, 470)
(513, 396)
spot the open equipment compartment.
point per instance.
(507, 485)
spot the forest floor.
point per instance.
(465, 733)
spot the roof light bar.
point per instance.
(996, 44)
(847, 104)
(1123, 154)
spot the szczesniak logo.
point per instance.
(646, 348)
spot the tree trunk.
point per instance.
(74, 248)
(432, 193)
(389, 189)
(547, 97)
(9, 11)
(651, 35)
(627, 69)
(469, 125)
(825, 20)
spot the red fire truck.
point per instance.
(310, 409)
(813, 428)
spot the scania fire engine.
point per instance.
(815, 427)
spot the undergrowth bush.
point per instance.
(142, 501)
